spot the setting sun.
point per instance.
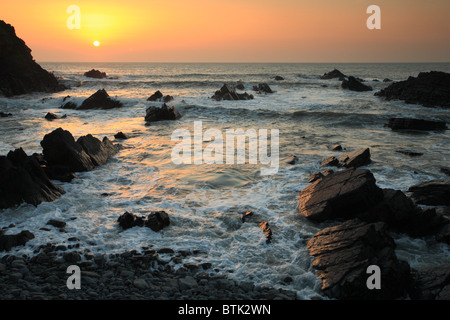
(96, 43)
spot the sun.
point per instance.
(96, 43)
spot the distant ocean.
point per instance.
(205, 202)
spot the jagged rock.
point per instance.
(331, 161)
(227, 92)
(95, 74)
(354, 85)
(343, 253)
(432, 193)
(415, 124)
(355, 159)
(19, 73)
(7, 242)
(121, 135)
(262, 87)
(156, 96)
(161, 113)
(23, 180)
(240, 86)
(343, 194)
(99, 151)
(429, 89)
(100, 100)
(433, 283)
(69, 105)
(334, 74)
(167, 98)
(155, 220)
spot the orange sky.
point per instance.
(233, 31)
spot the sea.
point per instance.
(206, 201)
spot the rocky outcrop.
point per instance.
(334, 74)
(342, 255)
(23, 180)
(262, 88)
(100, 100)
(161, 113)
(343, 194)
(432, 193)
(354, 85)
(95, 74)
(19, 73)
(433, 283)
(228, 92)
(156, 96)
(155, 220)
(7, 242)
(415, 124)
(353, 159)
(430, 89)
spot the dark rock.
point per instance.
(331, 161)
(292, 159)
(264, 226)
(129, 220)
(315, 176)
(429, 89)
(60, 149)
(247, 215)
(9, 241)
(433, 282)
(432, 193)
(387, 80)
(156, 96)
(335, 147)
(167, 98)
(343, 194)
(100, 100)
(19, 73)
(355, 158)
(161, 113)
(56, 223)
(95, 74)
(72, 257)
(60, 173)
(69, 105)
(23, 180)
(333, 74)
(157, 220)
(121, 135)
(5, 115)
(343, 253)
(51, 116)
(229, 93)
(279, 78)
(446, 170)
(240, 86)
(262, 87)
(99, 151)
(410, 153)
(415, 124)
(354, 85)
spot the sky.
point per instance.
(232, 30)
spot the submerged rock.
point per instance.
(5, 115)
(354, 85)
(262, 87)
(334, 74)
(100, 100)
(353, 159)
(228, 92)
(161, 113)
(23, 180)
(429, 89)
(342, 255)
(95, 74)
(279, 78)
(19, 73)
(155, 220)
(415, 124)
(7, 242)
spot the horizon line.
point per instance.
(230, 62)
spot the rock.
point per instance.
(121, 135)
(187, 283)
(264, 226)
(9, 241)
(161, 113)
(56, 223)
(247, 215)
(167, 98)
(51, 116)
(279, 78)
(72, 257)
(355, 158)
(98, 151)
(335, 147)
(129, 220)
(343, 194)
(5, 115)
(333, 74)
(343, 253)
(432, 193)
(60, 173)
(156, 96)
(432, 281)
(331, 161)
(19, 73)
(292, 159)
(445, 170)
(140, 284)
(354, 85)
(60, 149)
(100, 100)
(22, 179)
(315, 176)
(157, 220)
(262, 87)
(69, 105)
(227, 92)
(240, 86)
(415, 124)
(95, 74)
(387, 80)
(429, 89)
(410, 153)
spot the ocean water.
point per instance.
(206, 201)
